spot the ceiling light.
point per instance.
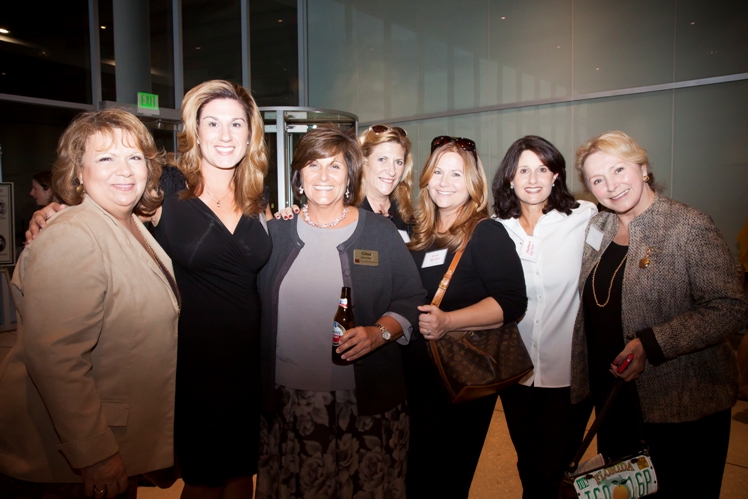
(102, 27)
(4, 31)
(503, 17)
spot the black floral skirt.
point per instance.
(318, 447)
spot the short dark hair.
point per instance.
(506, 204)
(326, 141)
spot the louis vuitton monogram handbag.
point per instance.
(475, 364)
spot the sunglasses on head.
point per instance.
(464, 144)
(377, 129)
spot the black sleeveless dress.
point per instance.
(218, 377)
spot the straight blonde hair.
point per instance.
(249, 175)
(368, 140)
(475, 209)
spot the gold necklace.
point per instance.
(610, 288)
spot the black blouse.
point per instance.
(489, 266)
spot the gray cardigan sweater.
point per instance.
(392, 286)
(682, 306)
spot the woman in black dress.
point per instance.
(210, 225)
(486, 290)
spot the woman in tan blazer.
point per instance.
(87, 392)
(657, 283)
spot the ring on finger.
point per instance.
(98, 491)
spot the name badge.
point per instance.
(366, 257)
(404, 235)
(434, 258)
(530, 249)
(595, 237)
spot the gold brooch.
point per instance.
(644, 262)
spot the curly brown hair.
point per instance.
(73, 143)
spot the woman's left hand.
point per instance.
(634, 369)
(433, 323)
(359, 341)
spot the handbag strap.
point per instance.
(444, 284)
(599, 418)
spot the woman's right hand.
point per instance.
(287, 213)
(106, 478)
(39, 220)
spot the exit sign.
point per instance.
(147, 103)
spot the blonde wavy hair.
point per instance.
(472, 211)
(249, 175)
(368, 140)
(73, 143)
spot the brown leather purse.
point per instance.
(475, 364)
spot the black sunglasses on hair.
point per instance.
(464, 144)
(385, 128)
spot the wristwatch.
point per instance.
(386, 335)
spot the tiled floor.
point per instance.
(496, 476)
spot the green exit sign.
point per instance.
(147, 103)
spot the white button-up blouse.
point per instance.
(552, 292)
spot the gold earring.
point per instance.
(79, 189)
(645, 178)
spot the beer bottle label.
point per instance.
(337, 331)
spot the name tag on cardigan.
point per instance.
(595, 237)
(404, 235)
(366, 257)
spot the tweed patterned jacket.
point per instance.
(689, 296)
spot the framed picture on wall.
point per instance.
(7, 225)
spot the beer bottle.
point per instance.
(341, 323)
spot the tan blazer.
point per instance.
(93, 369)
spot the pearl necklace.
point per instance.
(305, 212)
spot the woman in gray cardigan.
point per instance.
(334, 431)
(657, 283)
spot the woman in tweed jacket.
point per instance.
(657, 282)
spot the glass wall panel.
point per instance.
(54, 45)
(711, 38)
(387, 47)
(274, 52)
(622, 44)
(531, 52)
(162, 52)
(160, 48)
(710, 166)
(455, 39)
(333, 64)
(211, 37)
(647, 118)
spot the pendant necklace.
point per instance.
(218, 201)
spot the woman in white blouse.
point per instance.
(547, 226)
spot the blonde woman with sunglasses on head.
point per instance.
(486, 290)
(387, 177)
